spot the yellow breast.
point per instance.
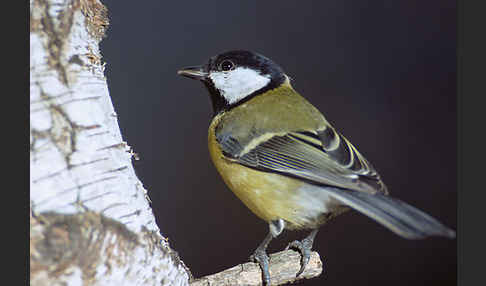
(270, 196)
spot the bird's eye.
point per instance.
(226, 65)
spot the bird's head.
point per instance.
(236, 76)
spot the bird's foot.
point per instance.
(305, 247)
(260, 256)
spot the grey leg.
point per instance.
(305, 247)
(260, 255)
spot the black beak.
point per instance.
(196, 72)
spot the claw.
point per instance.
(305, 251)
(261, 257)
(305, 248)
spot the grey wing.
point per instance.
(322, 157)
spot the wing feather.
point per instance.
(321, 157)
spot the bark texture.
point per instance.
(283, 267)
(91, 222)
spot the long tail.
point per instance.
(401, 218)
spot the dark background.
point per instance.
(384, 74)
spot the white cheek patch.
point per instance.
(238, 83)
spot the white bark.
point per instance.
(91, 223)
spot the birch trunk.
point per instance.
(91, 222)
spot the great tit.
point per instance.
(286, 163)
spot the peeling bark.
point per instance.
(91, 221)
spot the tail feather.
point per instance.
(401, 218)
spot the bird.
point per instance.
(281, 157)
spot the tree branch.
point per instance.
(283, 267)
